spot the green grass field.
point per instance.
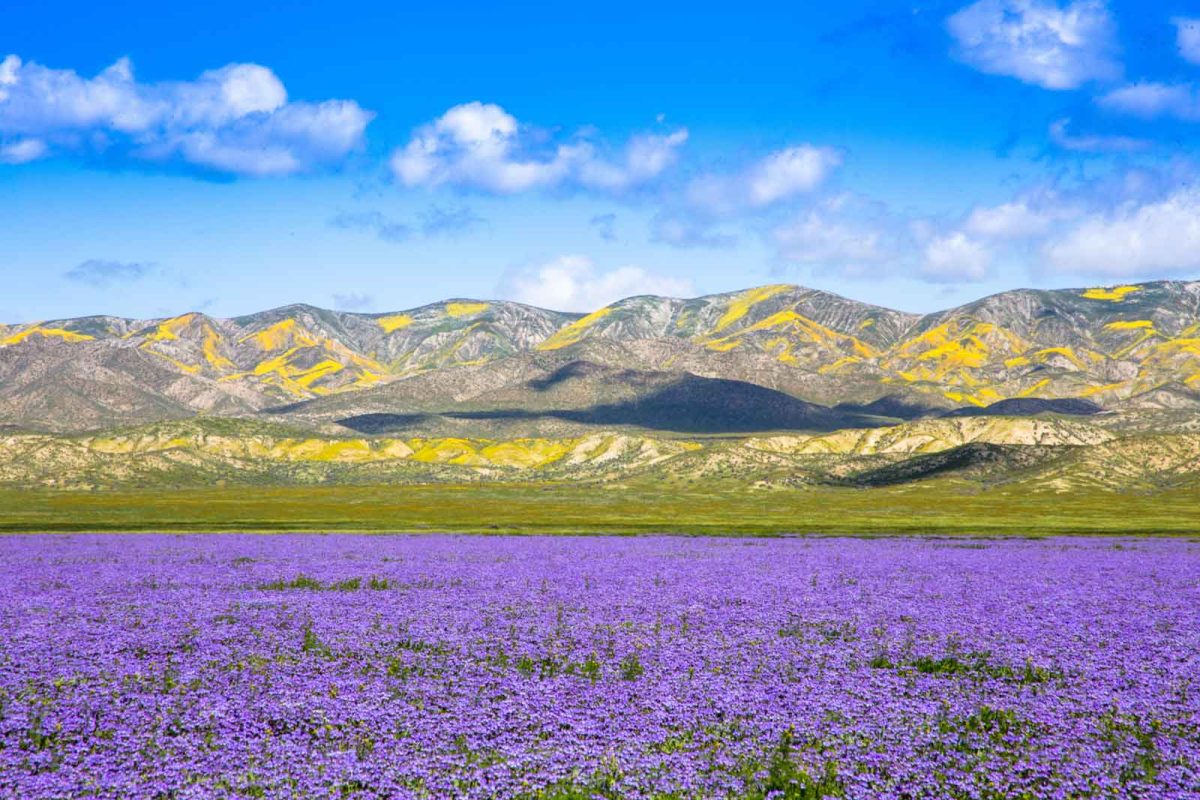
(560, 508)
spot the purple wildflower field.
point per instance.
(444, 666)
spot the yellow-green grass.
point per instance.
(557, 508)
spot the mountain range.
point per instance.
(662, 375)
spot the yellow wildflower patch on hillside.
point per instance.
(1037, 387)
(741, 305)
(1065, 352)
(789, 320)
(211, 341)
(446, 451)
(190, 369)
(278, 335)
(570, 334)
(526, 453)
(1129, 325)
(168, 330)
(46, 333)
(1095, 390)
(1179, 346)
(394, 322)
(465, 309)
(1114, 294)
(957, 354)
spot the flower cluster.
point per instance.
(488, 667)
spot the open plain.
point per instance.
(582, 667)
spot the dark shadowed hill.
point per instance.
(1030, 406)
(587, 394)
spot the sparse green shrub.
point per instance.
(298, 582)
(631, 667)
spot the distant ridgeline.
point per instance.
(770, 358)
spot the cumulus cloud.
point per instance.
(789, 172)
(101, 274)
(955, 257)
(481, 146)
(236, 119)
(1136, 239)
(1061, 135)
(779, 176)
(1038, 42)
(573, 283)
(1187, 37)
(1151, 100)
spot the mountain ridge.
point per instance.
(1113, 293)
(1129, 346)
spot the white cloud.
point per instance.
(786, 173)
(1015, 220)
(1150, 100)
(1061, 135)
(1133, 240)
(1037, 41)
(819, 239)
(234, 119)
(572, 283)
(645, 158)
(481, 146)
(955, 257)
(1187, 37)
(8, 75)
(781, 175)
(22, 151)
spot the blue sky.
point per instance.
(157, 158)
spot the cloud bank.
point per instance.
(236, 119)
(1135, 239)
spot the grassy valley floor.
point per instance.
(929, 508)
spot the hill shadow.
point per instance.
(689, 404)
(1031, 406)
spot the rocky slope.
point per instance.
(1123, 347)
